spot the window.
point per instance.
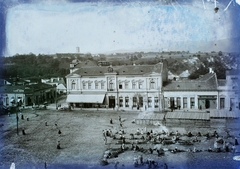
(149, 102)
(192, 102)
(232, 102)
(134, 101)
(133, 85)
(178, 102)
(96, 85)
(140, 85)
(140, 101)
(185, 102)
(73, 85)
(111, 85)
(102, 85)
(126, 101)
(89, 85)
(156, 102)
(84, 85)
(126, 85)
(152, 84)
(222, 103)
(120, 86)
(121, 101)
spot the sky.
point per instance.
(111, 26)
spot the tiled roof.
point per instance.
(120, 70)
(24, 88)
(206, 83)
(222, 82)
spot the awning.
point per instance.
(85, 98)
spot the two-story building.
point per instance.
(125, 87)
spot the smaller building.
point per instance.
(59, 82)
(201, 93)
(26, 95)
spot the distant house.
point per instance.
(26, 95)
(206, 92)
(229, 90)
(201, 93)
(58, 82)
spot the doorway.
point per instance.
(111, 101)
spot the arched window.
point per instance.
(133, 84)
(111, 85)
(84, 85)
(73, 85)
(152, 84)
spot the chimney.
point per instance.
(211, 70)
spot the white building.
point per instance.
(148, 87)
(126, 87)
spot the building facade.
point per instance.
(26, 95)
(124, 87)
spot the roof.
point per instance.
(24, 88)
(222, 82)
(206, 83)
(120, 70)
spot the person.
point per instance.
(236, 141)
(165, 166)
(111, 122)
(135, 161)
(123, 139)
(58, 145)
(141, 159)
(209, 149)
(150, 150)
(105, 140)
(233, 148)
(116, 164)
(123, 147)
(119, 118)
(23, 132)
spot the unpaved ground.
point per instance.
(82, 144)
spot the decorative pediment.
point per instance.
(74, 75)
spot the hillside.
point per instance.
(179, 63)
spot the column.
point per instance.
(196, 102)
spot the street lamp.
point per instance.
(56, 98)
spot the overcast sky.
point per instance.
(49, 27)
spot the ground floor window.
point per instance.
(185, 102)
(134, 101)
(156, 102)
(149, 102)
(192, 102)
(140, 101)
(121, 101)
(126, 101)
(222, 103)
(178, 102)
(232, 103)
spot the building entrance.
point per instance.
(111, 101)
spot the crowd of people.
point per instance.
(143, 142)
